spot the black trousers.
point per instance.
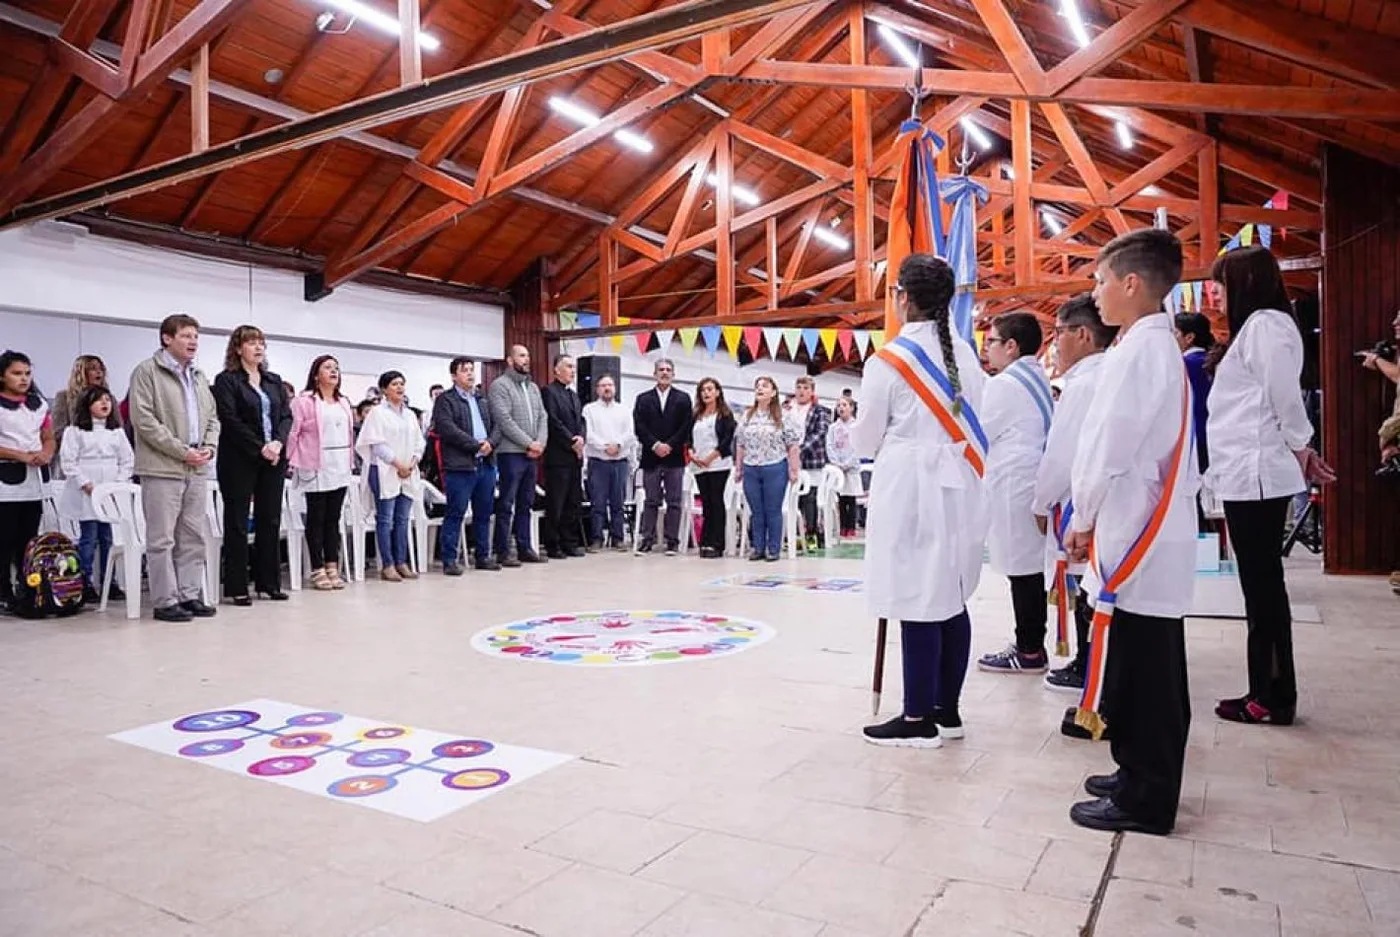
(712, 512)
(1148, 705)
(846, 511)
(261, 485)
(1028, 602)
(323, 526)
(1256, 529)
(19, 524)
(807, 504)
(935, 663)
(563, 507)
(1083, 620)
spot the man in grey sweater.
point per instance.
(518, 412)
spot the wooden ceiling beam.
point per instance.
(1028, 72)
(1112, 43)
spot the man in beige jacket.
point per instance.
(176, 429)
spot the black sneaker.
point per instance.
(172, 613)
(91, 596)
(508, 562)
(645, 546)
(487, 564)
(1067, 679)
(672, 549)
(905, 733)
(115, 593)
(1013, 661)
(530, 556)
(552, 554)
(576, 552)
(756, 556)
(454, 569)
(198, 609)
(949, 723)
(773, 557)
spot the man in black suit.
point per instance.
(662, 419)
(563, 465)
(465, 442)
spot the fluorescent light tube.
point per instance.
(830, 237)
(970, 128)
(1069, 9)
(634, 141)
(1125, 136)
(1052, 222)
(381, 21)
(741, 194)
(583, 115)
(900, 46)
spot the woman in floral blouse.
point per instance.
(766, 461)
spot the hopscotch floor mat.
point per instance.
(622, 638)
(781, 582)
(1219, 596)
(413, 773)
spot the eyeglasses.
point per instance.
(993, 340)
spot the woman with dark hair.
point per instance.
(26, 446)
(927, 518)
(320, 451)
(93, 451)
(1259, 459)
(391, 444)
(766, 461)
(1194, 337)
(254, 422)
(712, 456)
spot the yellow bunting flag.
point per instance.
(877, 338)
(616, 342)
(828, 337)
(731, 335)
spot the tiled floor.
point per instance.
(722, 797)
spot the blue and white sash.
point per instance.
(1030, 376)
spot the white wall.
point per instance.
(64, 292)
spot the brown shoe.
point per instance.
(390, 574)
(333, 576)
(407, 572)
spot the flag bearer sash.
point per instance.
(1089, 715)
(1064, 586)
(932, 386)
(1032, 378)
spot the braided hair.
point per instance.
(929, 283)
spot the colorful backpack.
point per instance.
(51, 578)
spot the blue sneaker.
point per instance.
(1014, 661)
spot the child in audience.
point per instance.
(1134, 481)
(94, 451)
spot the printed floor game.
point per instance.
(414, 773)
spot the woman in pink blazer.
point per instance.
(320, 450)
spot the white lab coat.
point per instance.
(1052, 479)
(1016, 434)
(1124, 455)
(1257, 418)
(927, 517)
(91, 456)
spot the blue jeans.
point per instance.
(391, 517)
(607, 489)
(478, 489)
(514, 501)
(764, 487)
(95, 536)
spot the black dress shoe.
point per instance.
(115, 593)
(1104, 814)
(530, 556)
(508, 562)
(198, 609)
(277, 595)
(552, 554)
(488, 565)
(576, 552)
(172, 613)
(1101, 785)
(242, 601)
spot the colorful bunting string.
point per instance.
(853, 344)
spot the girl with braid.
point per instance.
(927, 512)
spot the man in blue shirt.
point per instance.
(461, 423)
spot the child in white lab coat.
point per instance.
(1134, 481)
(94, 451)
(1016, 416)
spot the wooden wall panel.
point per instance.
(1361, 293)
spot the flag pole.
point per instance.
(877, 682)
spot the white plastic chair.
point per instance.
(828, 503)
(213, 544)
(52, 519)
(735, 529)
(357, 517)
(293, 530)
(420, 543)
(119, 504)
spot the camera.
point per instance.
(1390, 468)
(1382, 349)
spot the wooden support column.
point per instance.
(1023, 210)
(771, 240)
(863, 216)
(607, 283)
(998, 244)
(410, 54)
(724, 225)
(530, 317)
(1208, 185)
(199, 101)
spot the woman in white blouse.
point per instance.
(320, 450)
(841, 452)
(711, 458)
(1259, 434)
(26, 446)
(766, 461)
(94, 451)
(391, 443)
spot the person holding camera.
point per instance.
(1385, 358)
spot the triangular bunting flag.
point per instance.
(753, 337)
(568, 321)
(616, 342)
(688, 337)
(732, 334)
(663, 339)
(843, 338)
(877, 338)
(711, 335)
(643, 341)
(623, 320)
(588, 320)
(774, 338)
(1247, 235)
(590, 342)
(862, 338)
(793, 337)
(1196, 289)
(811, 339)
(829, 343)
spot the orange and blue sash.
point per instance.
(932, 386)
(1064, 586)
(1089, 715)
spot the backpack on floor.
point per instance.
(51, 578)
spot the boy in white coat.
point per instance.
(1134, 481)
(1016, 415)
(1080, 339)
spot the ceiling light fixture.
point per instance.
(381, 21)
(828, 236)
(978, 136)
(1069, 9)
(1051, 222)
(1125, 136)
(907, 53)
(583, 115)
(1151, 190)
(741, 194)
